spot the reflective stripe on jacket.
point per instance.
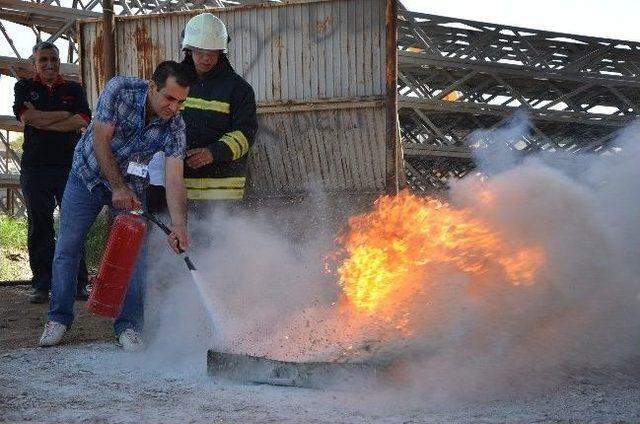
(220, 115)
(226, 188)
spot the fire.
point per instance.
(391, 255)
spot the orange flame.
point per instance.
(391, 254)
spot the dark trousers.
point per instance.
(42, 188)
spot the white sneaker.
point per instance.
(130, 340)
(53, 332)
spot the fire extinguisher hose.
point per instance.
(151, 217)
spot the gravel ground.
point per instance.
(97, 382)
(88, 379)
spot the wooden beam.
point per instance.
(420, 59)
(324, 104)
(10, 181)
(429, 150)
(10, 123)
(47, 24)
(504, 111)
(62, 13)
(24, 69)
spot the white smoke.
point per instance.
(583, 309)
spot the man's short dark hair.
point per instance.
(182, 74)
(44, 45)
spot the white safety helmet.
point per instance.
(205, 31)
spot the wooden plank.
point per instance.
(319, 150)
(329, 104)
(323, 77)
(307, 91)
(279, 55)
(285, 77)
(314, 52)
(367, 53)
(285, 163)
(391, 141)
(343, 30)
(250, 28)
(298, 53)
(10, 181)
(351, 153)
(379, 150)
(265, 157)
(292, 57)
(365, 120)
(419, 150)
(258, 50)
(318, 163)
(351, 50)
(267, 64)
(336, 49)
(24, 68)
(47, 11)
(294, 137)
(422, 59)
(377, 25)
(544, 115)
(360, 53)
(325, 25)
(10, 123)
(155, 35)
(261, 370)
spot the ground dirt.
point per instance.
(88, 379)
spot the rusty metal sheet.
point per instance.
(297, 52)
(298, 152)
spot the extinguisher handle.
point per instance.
(151, 217)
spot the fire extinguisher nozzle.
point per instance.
(190, 264)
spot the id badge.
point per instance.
(137, 169)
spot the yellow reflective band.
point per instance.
(215, 183)
(236, 148)
(215, 194)
(241, 139)
(202, 104)
(237, 142)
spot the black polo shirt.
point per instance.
(43, 147)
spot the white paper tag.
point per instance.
(137, 169)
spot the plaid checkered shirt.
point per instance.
(122, 104)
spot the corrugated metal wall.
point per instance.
(318, 69)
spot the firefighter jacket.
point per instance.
(220, 114)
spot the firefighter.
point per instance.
(220, 117)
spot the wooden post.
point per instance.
(108, 40)
(391, 133)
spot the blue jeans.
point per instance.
(78, 211)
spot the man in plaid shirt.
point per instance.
(133, 120)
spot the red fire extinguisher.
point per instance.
(116, 267)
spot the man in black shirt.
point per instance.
(53, 112)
